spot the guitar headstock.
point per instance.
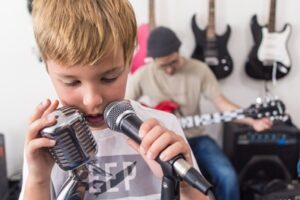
(275, 109)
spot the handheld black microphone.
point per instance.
(75, 146)
(120, 117)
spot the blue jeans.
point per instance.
(215, 165)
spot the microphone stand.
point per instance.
(76, 185)
(170, 188)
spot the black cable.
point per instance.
(13, 192)
(14, 183)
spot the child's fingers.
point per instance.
(147, 126)
(38, 143)
(150, 137)
(173, 150)
(133, 144)
(151, 163)
(51, 108)
(39, 110)
(36, 126)
(160, 144)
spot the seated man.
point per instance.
(172, 77)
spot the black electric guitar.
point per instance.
(269, 58)
(275, 109)
(212, 48)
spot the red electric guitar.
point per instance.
(140, 53)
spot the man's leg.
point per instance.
(213, 162)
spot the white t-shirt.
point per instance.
(123, 174)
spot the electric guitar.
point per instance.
(275, 109)
(212, 48)
(269, 57)
(140, 53)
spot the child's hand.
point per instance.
(39, 161)
(159, 141)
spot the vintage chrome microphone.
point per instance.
(74, 149)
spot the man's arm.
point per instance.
(224, 104)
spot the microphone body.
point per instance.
(121, 117)
(74, 148)
(75, 144)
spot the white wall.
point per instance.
(24, 82)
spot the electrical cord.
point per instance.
(13, 192)
(15, 186)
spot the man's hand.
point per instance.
(261, 124)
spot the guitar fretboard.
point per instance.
(211, 33)
(152, 14)
(272, 15)
(206, 119)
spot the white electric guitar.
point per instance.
(273, 45)
(269, 57)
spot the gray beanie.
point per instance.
(162, 41)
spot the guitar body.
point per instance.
(269, 56)
(213, 52)
(140, 53)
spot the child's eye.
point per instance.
(72, 84)
(109, 80)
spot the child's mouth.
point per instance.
(95, 120)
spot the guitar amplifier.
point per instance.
(3, 173)
(267, 155)
(280, 190)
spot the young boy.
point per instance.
(87, 47)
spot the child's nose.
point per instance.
(92, 97)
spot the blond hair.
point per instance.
(74, 32)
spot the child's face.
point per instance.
(91, 88)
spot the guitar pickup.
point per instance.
(211, 61)
(268, 62)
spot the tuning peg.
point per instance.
(259, 100)
(273, 103)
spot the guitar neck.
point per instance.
(272, 109)
(211, 33)
(207, 119)
(151, 14)
(272, 16)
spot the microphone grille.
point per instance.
(75, 144)
(114, 111)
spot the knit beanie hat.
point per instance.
(162, 41)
